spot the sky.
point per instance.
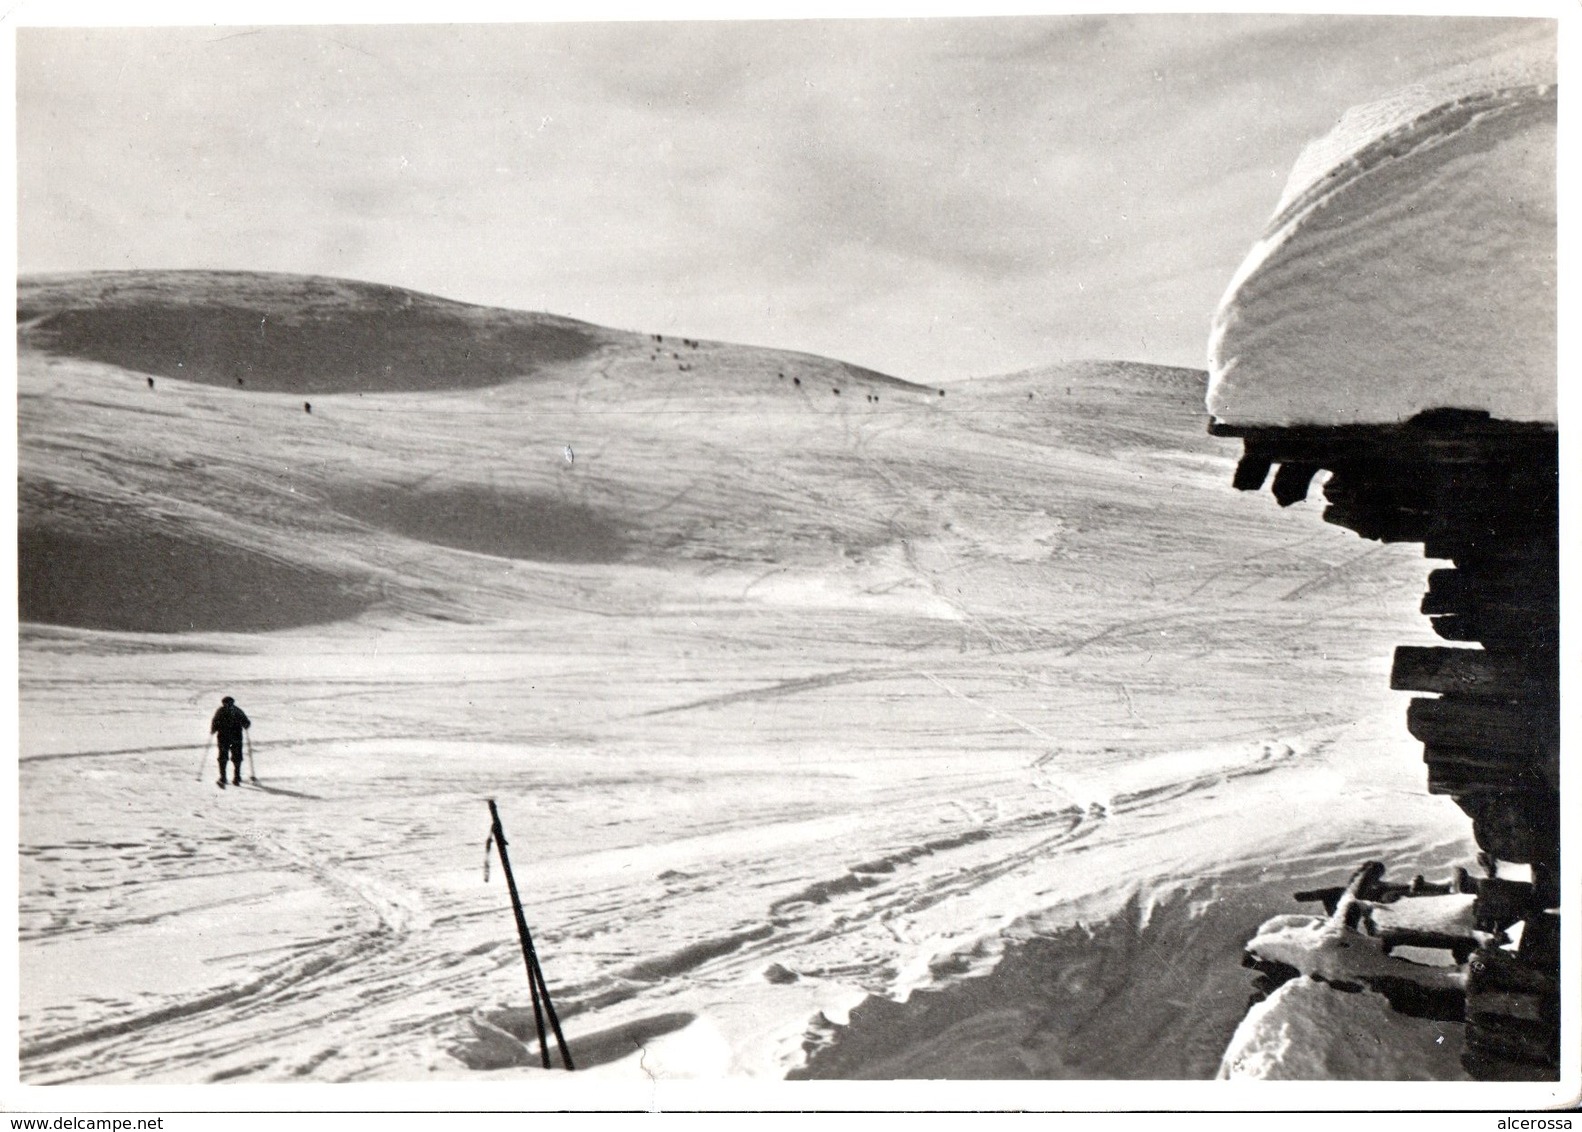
(935, 198)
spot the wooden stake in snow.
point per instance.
(535, 974)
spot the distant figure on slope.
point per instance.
(229, 723)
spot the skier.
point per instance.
(229, 723)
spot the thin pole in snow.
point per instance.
(497, 835)
(535, 974)
(252, 772)
(202, 759)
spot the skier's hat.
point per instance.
(227, 700)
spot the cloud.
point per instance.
(930, 197)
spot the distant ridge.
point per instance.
(310, 334)
(290, 333)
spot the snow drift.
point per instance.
(1410, 265)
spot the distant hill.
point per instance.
(290, 333)
(229, 451)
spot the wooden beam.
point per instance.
(1465, 773)
(1526, 1007)
(1471, 672)
(1380, 524)
(1251, 470)
(1496, 605)
(1292, 481)
(1521, 596)
(1514, 1040)
(1511, 552)
(1468, 440)
(1481, 726)
(1495, 630)
(1470, 772)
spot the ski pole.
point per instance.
(554, 1019)
(535, 974)
(203, 758)
(252, 773)
(497, 833)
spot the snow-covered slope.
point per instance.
(1410, 265)
(795, 684)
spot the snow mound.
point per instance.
(1410, 265)
(1307, 1031)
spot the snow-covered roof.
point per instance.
(1410, 264)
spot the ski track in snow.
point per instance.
(397, 973)
(777, 774)
(384, 949)
(317, 983)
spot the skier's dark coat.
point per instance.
(229, 723)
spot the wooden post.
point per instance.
(535, 975)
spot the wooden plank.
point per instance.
(1511, 1004)
(1251, 470)
(1292, 481)
(1454, 627)
(1481, 726)
(1495, 631)
(1512, 551)
(1530, 604)
(1329, 897)
(1384, 494)
(1449, 584)
(1485, 1067)
(1471, 672)
(1469, 441)
(1514, 1039)
(1485, 766)
(1529, 595)
(1472, 771)
(1474, 504)
(1380, 526)
(1462, 780)
(1459, 946)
